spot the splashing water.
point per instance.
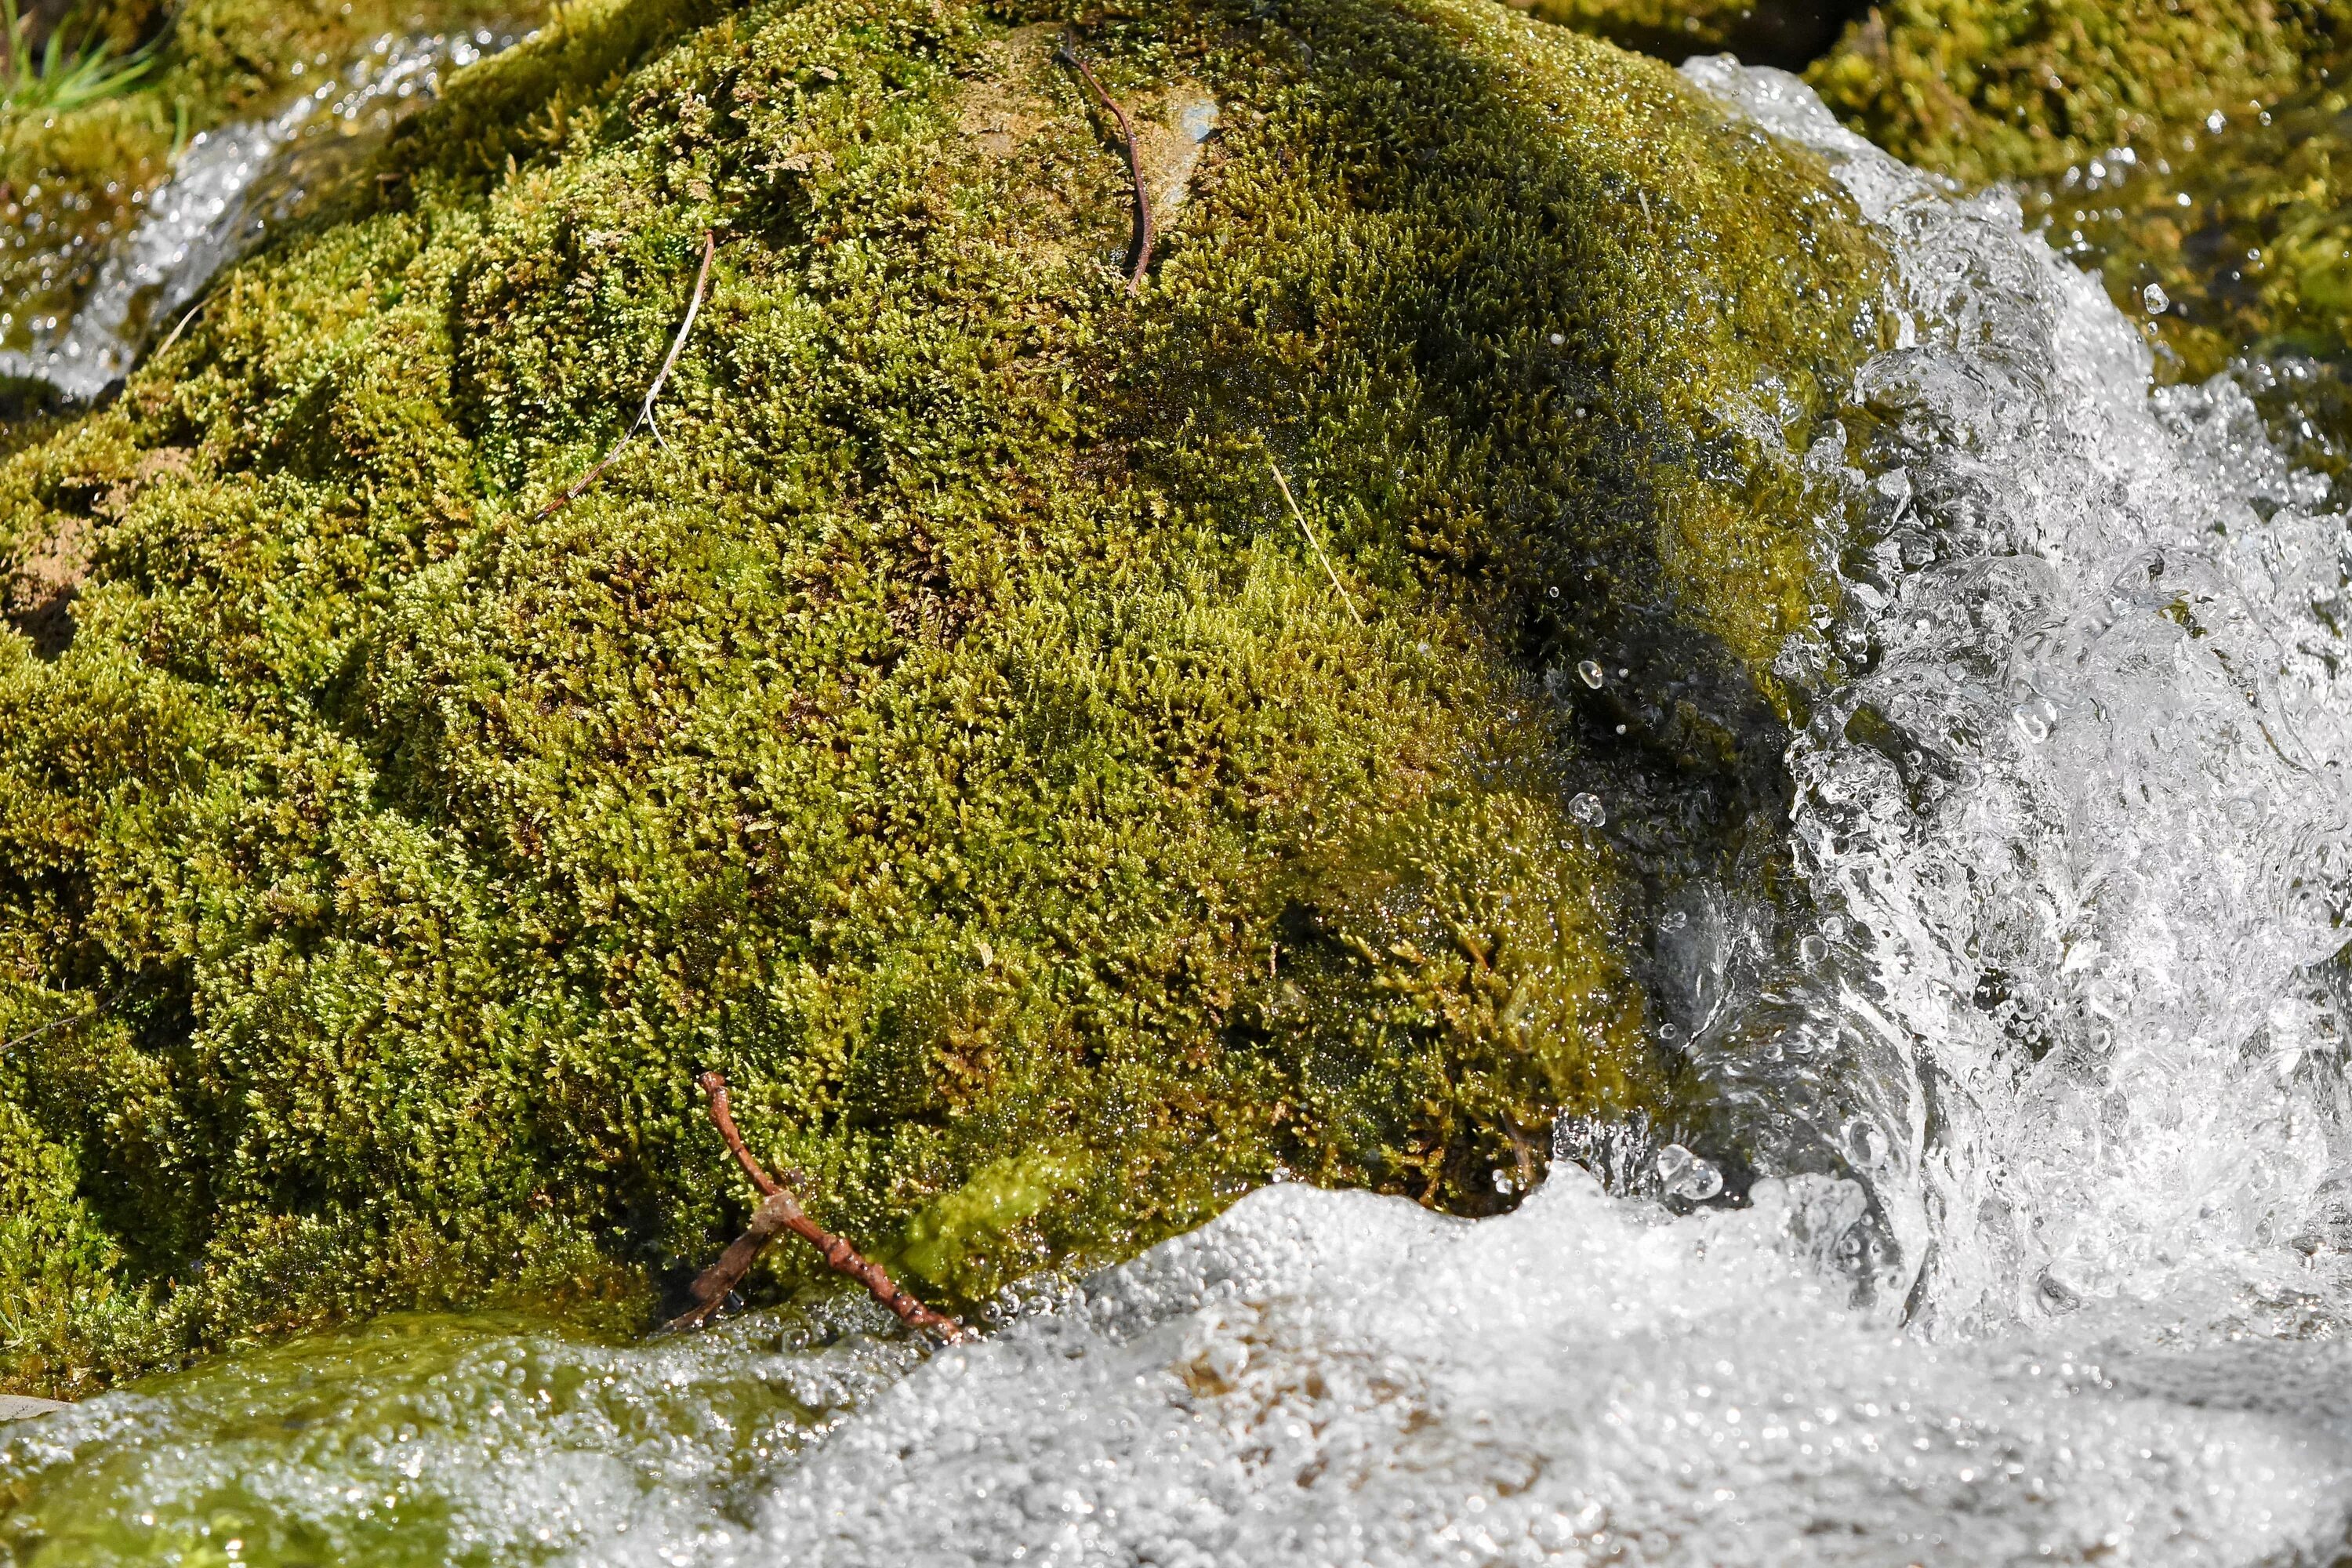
(2048, 1055)
(228, 188)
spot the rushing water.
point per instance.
(2048, 1059)
(225, 191)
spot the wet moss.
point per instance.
(2191, 153)
(72, 179)
(943, 728)
(2028, 88)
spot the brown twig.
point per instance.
(777, 1213)
(68, 1021)
(1144, 228)
(644, 418)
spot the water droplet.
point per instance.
(1683, 1175)
(1553, 591)
(1812, 949)
(2156, 300)
(1587, 809)
(1674, 920)
(1589, 671)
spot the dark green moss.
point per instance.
(943, 728)
(1789, 34)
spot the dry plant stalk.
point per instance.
(1143, 224)
(1312, 543)
(194, 312)
(779, 1213)
(645, 419)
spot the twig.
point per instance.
(777, 1213)
(69, 1021)
(645, 409)
(1312, 543)
(723, 1118)
(1144, 229)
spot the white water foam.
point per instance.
(2060, 1028)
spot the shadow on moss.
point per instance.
(943, 731)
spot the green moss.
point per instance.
(1789, 34)
(2196, 148)
(943, 729)
(1985, 90)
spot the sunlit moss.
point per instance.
(941, 727)
(2194, 153)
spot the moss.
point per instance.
(943, 730)
(2192, 153)
(1985, 90)
(1789, 34)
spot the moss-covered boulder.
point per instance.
(940, 722)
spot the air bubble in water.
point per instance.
(1589, 671)
(1587, 809)
(2037, 716)
(1683, 1175)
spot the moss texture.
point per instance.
(2193, 152)
(1789, 34)
(1986, 89)
(943, 728)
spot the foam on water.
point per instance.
(2048, 1055)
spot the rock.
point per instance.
(943, 727)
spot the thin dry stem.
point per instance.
(778, 1212)
(194, 312)
(1145, 229)
(1313, 544)
(645, 409)
(68, 1021)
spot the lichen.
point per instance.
(943, 728)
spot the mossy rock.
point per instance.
(943, 727)
(2192, 152)
(1789, 34)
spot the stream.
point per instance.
(2052, 1256)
